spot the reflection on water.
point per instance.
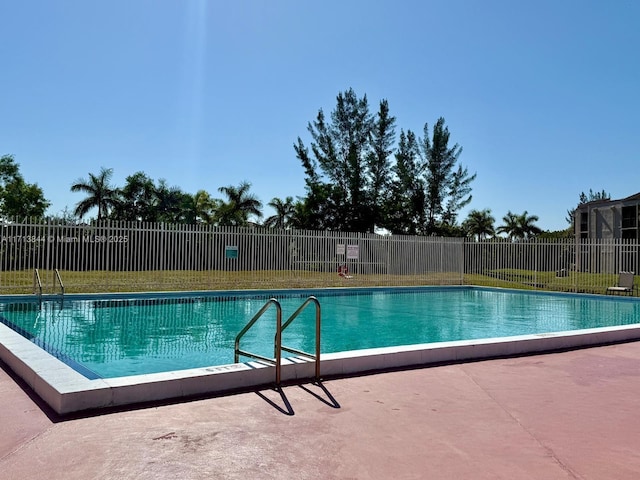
(127, 337)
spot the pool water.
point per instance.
(120, 337)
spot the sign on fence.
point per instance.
(231, 251)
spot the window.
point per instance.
(629, 217)
(629, 234)
(584, 221)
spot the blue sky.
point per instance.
(543, 96)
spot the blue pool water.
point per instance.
(112, 337)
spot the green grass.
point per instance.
(21, 282)
(102, 281)
(581, 282)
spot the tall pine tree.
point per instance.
(447, 189)
(348, 169)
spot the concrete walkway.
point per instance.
(565, 415)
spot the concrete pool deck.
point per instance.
(564, 415)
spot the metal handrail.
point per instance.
(37, 283)
(56, 275)
(295, 314)
(278, 340)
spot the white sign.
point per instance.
(340, 249)
(353, 251)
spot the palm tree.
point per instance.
(203, 207)
(519, 227)
(479, 224)
(239, 206)
(510, 226)
(100, 193)
(172, 205)
(136, 199)
(285, 211)
(527, 224)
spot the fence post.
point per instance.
(535, 263)
(463, 243)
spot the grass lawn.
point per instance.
(22, 282)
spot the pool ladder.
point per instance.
(37, 284)
(280, 327)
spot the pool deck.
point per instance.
(569, 415)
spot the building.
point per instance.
(615, 220)
(609, 219)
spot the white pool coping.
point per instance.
(67, 391)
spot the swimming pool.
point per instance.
(109, 338)
(131, 348)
